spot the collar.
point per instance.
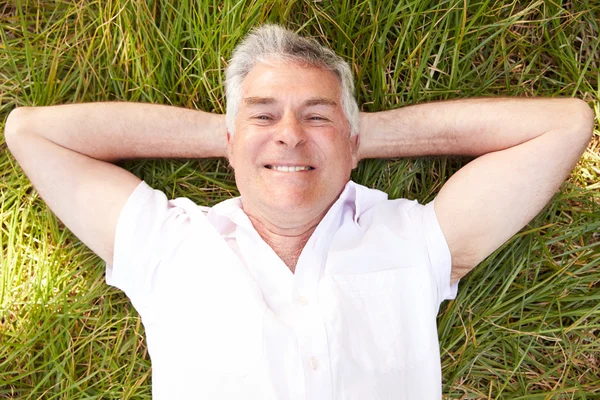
(228, 214)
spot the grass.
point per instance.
(526, 322)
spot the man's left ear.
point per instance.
(355, 143)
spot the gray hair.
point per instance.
(270, 42)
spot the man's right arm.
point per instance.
(66, 151)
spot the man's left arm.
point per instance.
(525, 149)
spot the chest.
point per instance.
(377, 310)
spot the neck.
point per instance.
(286, 242)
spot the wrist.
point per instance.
(220, 129)
(364, 128)
(211, 134)
(368, 129)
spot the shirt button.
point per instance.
(302, 300)
(314, 363)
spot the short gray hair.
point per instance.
(272, 42)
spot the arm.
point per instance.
(525, 149)
(66, 153)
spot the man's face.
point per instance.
(292, 151)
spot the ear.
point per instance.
(230, 149)
(355, 143)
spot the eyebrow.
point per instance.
(319, 101)
(253, 101)
(315, 101)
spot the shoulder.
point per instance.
(150, 214)
(374, 206)
(149, 200)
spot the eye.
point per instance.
(262, 119)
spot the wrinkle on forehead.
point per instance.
(277, 62)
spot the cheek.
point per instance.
(246, 149)
(343, 153)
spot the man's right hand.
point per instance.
(66, 153)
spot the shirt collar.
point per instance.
(227, 214)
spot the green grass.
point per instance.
(526, 322)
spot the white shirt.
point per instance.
(225, 318)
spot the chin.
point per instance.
(290, 203)
(294, 202)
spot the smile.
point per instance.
(289, 168)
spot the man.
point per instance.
(309, 286)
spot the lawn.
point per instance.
(526, 322)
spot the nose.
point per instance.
(290, 132)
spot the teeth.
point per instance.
(289, 169)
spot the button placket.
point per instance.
(310, 327)
(310, 330)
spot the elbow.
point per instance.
(581, 121)
(14, 125)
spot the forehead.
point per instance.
(289, 80)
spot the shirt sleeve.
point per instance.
(148, 228)
(439, 253)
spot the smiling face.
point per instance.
(292, 151)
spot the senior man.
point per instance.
(308, 286)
